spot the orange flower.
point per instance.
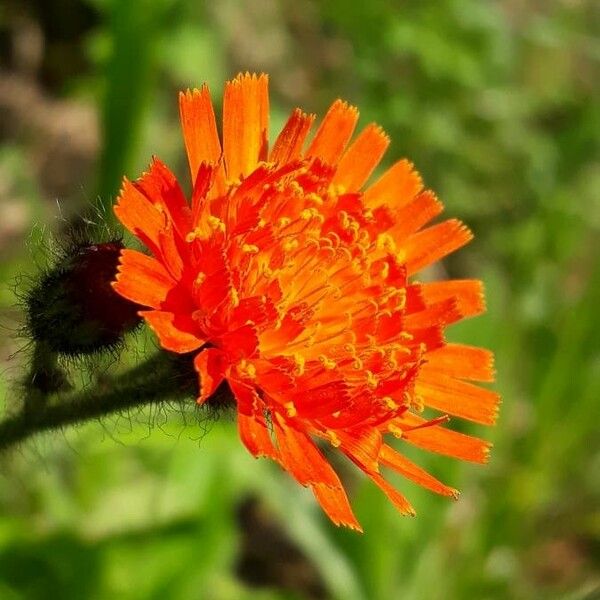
(292, 280)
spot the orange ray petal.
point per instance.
(334, 502)
(403, 506)
(416, 213)
(440, 313)
(456, 397)
(396, 187)
(468, 294)
(462, 362)
(431, 244)
(362, 447)
(211, 364)
(334, 133)
(361, 158)
(399, 463)
(254, 434)
(442, 440)
(200, 132)
(245, 123)
(240, 343)
(139, 215)
(288, 145)
(200, 193)
(160, 186)
(171, 256)
(176, 332)
(142, 279)
(301, 458)
(253, 429)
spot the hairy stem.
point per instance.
(160, 379)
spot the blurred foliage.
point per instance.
(497, 104)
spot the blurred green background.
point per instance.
(497, 104)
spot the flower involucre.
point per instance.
(292, 279)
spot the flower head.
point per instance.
(291, 279)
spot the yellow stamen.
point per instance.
(385, 242)
(290, 245)
(299, 361)
(215, 223)
(372, 381)
(333, 438)
(193, 235)
(247, 369)
(395, 430)
(235, 297)
(389, 402)
(312, 197)
(327, 363)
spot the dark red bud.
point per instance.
(74, 309)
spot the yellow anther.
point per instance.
(249, 248)
(402, 303)
(200, 278)
(335, 239)
(395, 430)
(235, 297)
(364, 239)
(299, 361)
(215, 223)
(337, 190)
(344, 219)
(290, 408)
(390, 403)
(401, 256)
(357, 364)
(318, 200)
(385, 242)
(418, 403)
(391, 363)
(405, 335)
(296, 188)
(247, 369)
(327, 363)
(372, 381)
(283, 222)
(336, 414)
(261, 222)
(193, 235)
(357, 265)
(334, 440)
(291, 245)
(159, 207)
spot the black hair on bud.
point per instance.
(73, 309)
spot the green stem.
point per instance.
(160, 379)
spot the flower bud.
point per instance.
(73, 308)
